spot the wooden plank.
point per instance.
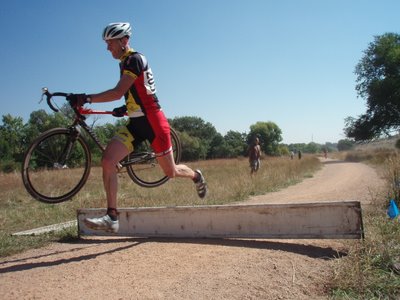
(322, 220)
(47, 229)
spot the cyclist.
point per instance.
(146, 121)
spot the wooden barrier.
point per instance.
(322, 220)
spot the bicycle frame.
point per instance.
(60, 151)
(80, 118)
(87, 111)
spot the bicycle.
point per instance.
(57, 164)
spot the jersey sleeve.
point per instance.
(133, 66)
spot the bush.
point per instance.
(370, 271)
(9, 166)
(397, 144)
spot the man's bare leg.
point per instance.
(172, 170)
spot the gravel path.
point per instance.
(131, 268)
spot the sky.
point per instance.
(232, 63)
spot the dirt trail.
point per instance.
(129, 268)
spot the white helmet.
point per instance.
(117, 31)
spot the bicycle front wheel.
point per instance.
(56, 165)
(146, 171)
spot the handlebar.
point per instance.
(50, 95)
(81, 110)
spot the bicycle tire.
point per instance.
(147, 173)
(45, 176)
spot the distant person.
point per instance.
(291, 154)
(146, 122)
(254, 156)
(299, 154)
(325, 153)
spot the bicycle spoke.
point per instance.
(52, 175)
(147, 172)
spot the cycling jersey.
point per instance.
(141, 98)
(147, 121)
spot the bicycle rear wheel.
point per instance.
(146, 171)
(56, 165)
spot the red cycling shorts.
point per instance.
(153, 127)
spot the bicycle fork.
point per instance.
(65, 154)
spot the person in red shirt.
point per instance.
(146, 122)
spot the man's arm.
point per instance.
(115, 93)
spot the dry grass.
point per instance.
(369, 272)
(228, 180)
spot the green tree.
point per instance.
(312, 148)
(12, 133)
(218, 147)
(344, 145)
(378, 82)
(283, 150)
(235, 143)
(298, 147)
(196, 127)
(269, 134)
(40, 121)
(330, 147)
(192, 148)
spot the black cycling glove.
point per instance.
(77, 100)
(119, 111)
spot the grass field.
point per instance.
(228, 180)
(371, 270)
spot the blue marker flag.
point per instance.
(393, 210)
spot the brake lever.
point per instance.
(48, 97)
(44, 92)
